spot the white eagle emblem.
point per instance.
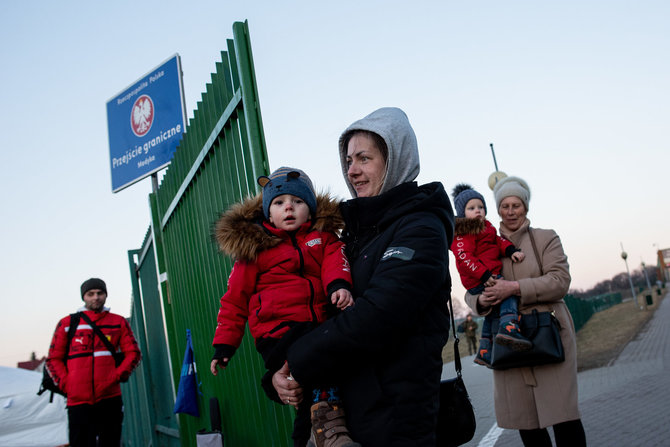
(142, 115)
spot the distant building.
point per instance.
(34, 364)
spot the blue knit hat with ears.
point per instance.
(462, 194)
(287, 181)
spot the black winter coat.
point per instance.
(385, 351)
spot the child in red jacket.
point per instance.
(478, 248)
(290, 274)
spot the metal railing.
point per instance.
(582, 309)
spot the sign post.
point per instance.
(145, 123)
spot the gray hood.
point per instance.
(393, 126)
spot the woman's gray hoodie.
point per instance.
(393, 126)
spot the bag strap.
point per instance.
(98, 332)
(537, 255)
(457, 354)
(74, 323)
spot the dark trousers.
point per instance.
(508, 306)
(274, 352)
(567, 434)
(472, 344)
(97, 425)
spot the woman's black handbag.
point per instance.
(456, 422)
(541, 328)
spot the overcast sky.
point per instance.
(574, 95)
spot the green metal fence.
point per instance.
(583, 308)
(221, 155)
(149, 398)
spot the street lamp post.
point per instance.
(497, 175)
(624, 256)
(646, 276)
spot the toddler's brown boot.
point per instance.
(328, 426)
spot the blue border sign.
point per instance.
(145, 123)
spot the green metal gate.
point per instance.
(221, 155)
(149, 398)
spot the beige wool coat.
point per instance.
(537, 397)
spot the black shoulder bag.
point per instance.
(456, 422)
(118, 356)
(541, 328)
(48, 383)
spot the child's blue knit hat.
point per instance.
(462, 194)
(287, 181)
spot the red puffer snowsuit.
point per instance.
(90, 375)
(478, 249)
(279, 277)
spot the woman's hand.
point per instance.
(484, 303)
(499, 291)
(289, 391)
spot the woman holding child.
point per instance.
(530, 399)
(385, 351)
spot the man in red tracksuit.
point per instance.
(88, 374)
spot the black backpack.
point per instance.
(47, 382)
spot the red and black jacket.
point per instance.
(478, 248)
(89, 373)
(279, 278)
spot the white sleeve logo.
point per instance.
(402, 253)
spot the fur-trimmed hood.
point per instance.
(465, 226)
(240, 234)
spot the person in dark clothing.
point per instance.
(469, 327)
(385, 352)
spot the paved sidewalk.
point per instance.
(624, 404)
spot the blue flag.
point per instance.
(187, 393)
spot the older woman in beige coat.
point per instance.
(530, 399)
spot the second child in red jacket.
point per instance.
(290, 274)
(477, 249)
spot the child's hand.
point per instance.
(221, 363)
(342, 298)
(489, 282)
(517, 256)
